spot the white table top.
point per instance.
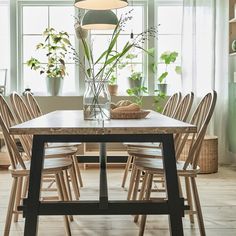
(72, 122)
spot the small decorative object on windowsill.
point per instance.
(27, 90)
(98, 71)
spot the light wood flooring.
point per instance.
(217, 193)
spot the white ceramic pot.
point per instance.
(54, 86)
(162, 88)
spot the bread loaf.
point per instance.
(129, 108)
(123, 103)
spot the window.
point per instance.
(99, 40)
(50, 15)
(32, 28)
(169, 39)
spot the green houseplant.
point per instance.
(136, 80)
(167, 58)
(55, 46)
(112, 85)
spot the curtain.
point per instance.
(205, 60)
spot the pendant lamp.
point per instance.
(101, 4)
(99, 20)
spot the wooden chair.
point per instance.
(187, 170)
(172, 104)
(19, 170)
(23, 114)
(36, 111)
(181, 112)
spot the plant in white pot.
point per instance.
(167, 58)
(55, 46)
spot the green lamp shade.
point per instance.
(99, 20)
(101, 4)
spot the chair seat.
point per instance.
(145, 152)
(60, 152)
(56, 145)
(50, 166)
(145, 144)
(156, 165)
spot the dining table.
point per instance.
(70, 126)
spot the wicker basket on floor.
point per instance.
(208, 161)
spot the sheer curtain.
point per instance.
(205, 59)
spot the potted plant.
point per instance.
(167, 58)
(112, 85)
(55, 46)
(137, 93)
(135, 78)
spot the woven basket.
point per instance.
(130, 114)
(208, 160)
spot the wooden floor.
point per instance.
(217, 193)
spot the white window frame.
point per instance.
(150, 11)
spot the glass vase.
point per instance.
(96, 100)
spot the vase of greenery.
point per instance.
(55, 46)
(98, 71)
(96, 100)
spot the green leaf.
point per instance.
(66, 41)
(162, 77)
(178, 70)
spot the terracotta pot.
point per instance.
(113, 89)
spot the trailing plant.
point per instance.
(137, 94)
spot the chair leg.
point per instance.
(141, 194)
(131, 182)
(198, 207)
(147, 197)
(67, 182)
(189, 199)
(60, 193)
(10, 207)
(74, 183)
(18, 198)
(77, 170)
(127, 168)
(25, 187)
(64, 190)
(136, 185)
